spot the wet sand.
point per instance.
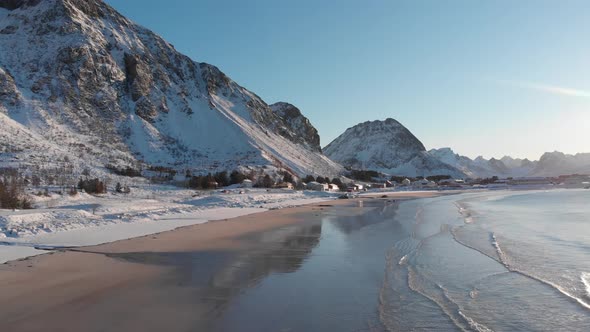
(182, 280)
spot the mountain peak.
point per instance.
(385, 146)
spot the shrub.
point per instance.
(266, 182)
(236, 177)
(287, 177)
(12, 195)
(438, 178)
(202, 182)
(127, 171)
(73, 191)
(363, 175)
(221, 179)
(92, 186)
(308, 179)
(336, 181)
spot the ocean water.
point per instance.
(488, 261)
(501, 261)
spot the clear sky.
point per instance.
(486, 78)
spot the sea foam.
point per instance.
(585, 277)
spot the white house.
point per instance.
(406, 182)
(247, 183)
(333, 187)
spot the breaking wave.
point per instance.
(504, 259)
(465, 212)
(439, 295)
(585, 278)
(501, 255)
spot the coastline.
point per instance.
(85, 220)
(220, 234)
(93, 277)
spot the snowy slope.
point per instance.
(77, 79)
(388, 147)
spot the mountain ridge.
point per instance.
(102, 89)
(549, 164)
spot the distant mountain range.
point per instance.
(550, 164)
(387, 146)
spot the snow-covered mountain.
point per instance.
(79, 80)
(388, 147)
(550, 164)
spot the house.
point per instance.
(285, 185)
(390, 184)
(529, 181)
(354, 187)
(420, 183)
(575, 179)
(333, 187)
(378, 185)
(453, 183)
(247, 184)
(317, 186)
(406, 182)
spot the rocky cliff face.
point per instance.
(296, 127)
(386, 146)
(78, 70)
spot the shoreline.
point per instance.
(148, 224)
(93, 277)
(223, 230)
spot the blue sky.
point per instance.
(483, 77)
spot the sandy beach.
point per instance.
(125, 285)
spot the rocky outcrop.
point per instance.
(296, 127)
(9, 94)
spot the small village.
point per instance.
(434, 183)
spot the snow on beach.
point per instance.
(62, 221)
